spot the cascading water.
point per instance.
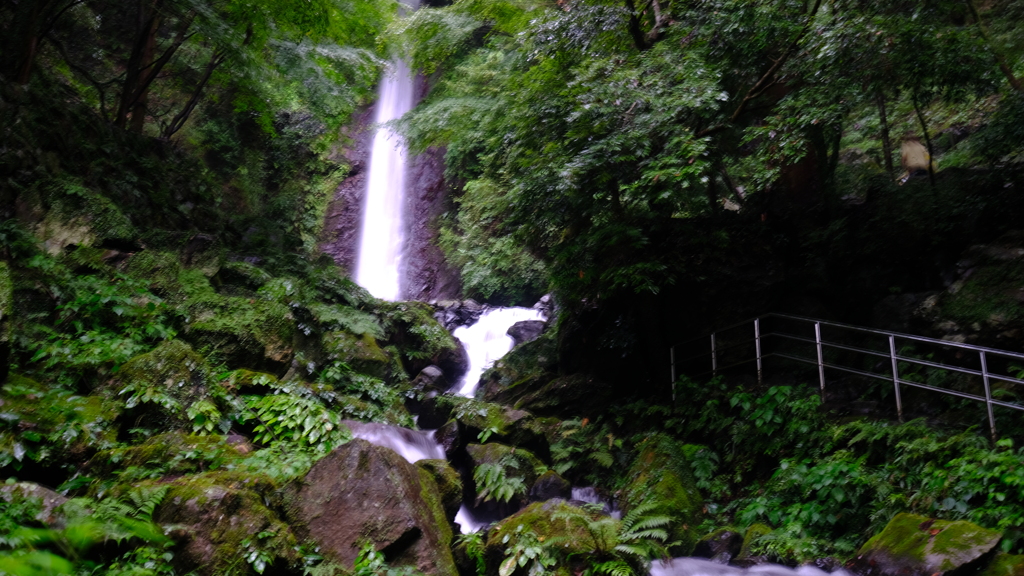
(704, 567)
(487, 340)
(379, 264)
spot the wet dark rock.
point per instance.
(449, 438)
(526, 331)
(431, 378)
(448, 482)
(913, 545)
(455, 313)
(720, 546)
(366, 492)
(453, 362)
(550, 485)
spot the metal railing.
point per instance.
(973, 367)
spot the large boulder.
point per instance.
(485, 420)
(159, 386)
(1004, 565)
(361, 492)
(448, 482)
(662, 475)
(361, 352)
(526, 331)
(225, 524)
(913, 545)
(544, 521)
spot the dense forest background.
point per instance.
(169, 329)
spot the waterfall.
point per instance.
(704, 567)
(379, 263)
(487, 340)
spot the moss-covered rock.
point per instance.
(662, 475)
(1004, 565)
(722, 545)
(550, 485)
(545, 521)
(159, 387)
(361, 492)
(566, 396)
(523, 371)
(224, 519)
(6, 311)
(913, 545)
(448, 483)
(173, 453)
(362, 353)
(752, 535)
(83, 424)
(515, 463)
(478, 419)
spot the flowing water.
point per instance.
(704, 567)
(379, 263)
(487, 340)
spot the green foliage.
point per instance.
(472, 543)
(29, 549)
(502, 480)
(589, 451)
(297, 420)
(370, 562)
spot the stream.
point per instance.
(379, 270)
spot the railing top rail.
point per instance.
(886, 333)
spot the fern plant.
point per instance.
(296, 420)
(501, 480)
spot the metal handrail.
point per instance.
(821, 344)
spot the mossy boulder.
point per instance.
(662, 475)
(361, 352)
(516, 462)
(523, 371)
(222, 518)
(41, 410)
(1004, 565)
(159, 386)
(172, 453)
(500, 423)
(752, 535)
(448, 483)
(362, 492)
(913, 545)
(545, 520)
(6, 312)
(566, 396)
(550, 485)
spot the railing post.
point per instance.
(895, 376)
(714, 355)
(672, 363)
(757, 346)
(988, 396)
(821, 358)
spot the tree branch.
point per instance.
(767, 79)
(1000, 59)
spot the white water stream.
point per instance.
(704, 567)
(487, 340)
(379, 264)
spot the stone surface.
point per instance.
(660, 470)
(49, 500)
(219, 516)
(720, 546)
(431, 378)
(448, 482)
(362, 353)
(526, 331)
(550, 485)
(365, 492)
(1004, 565)
(912, 545)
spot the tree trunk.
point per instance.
(1000, 59)
(886, 141)
(145, 62)
(927, 141)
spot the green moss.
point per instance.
(245, 331)
(662, 474)
(1004, 565)
(173, 453)
(431, 494)
(448, 483)
(991, 292)
(933, 545)
(751, 536)
(163, 383)
(539, 518)
(362, 353)
(227, 516)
